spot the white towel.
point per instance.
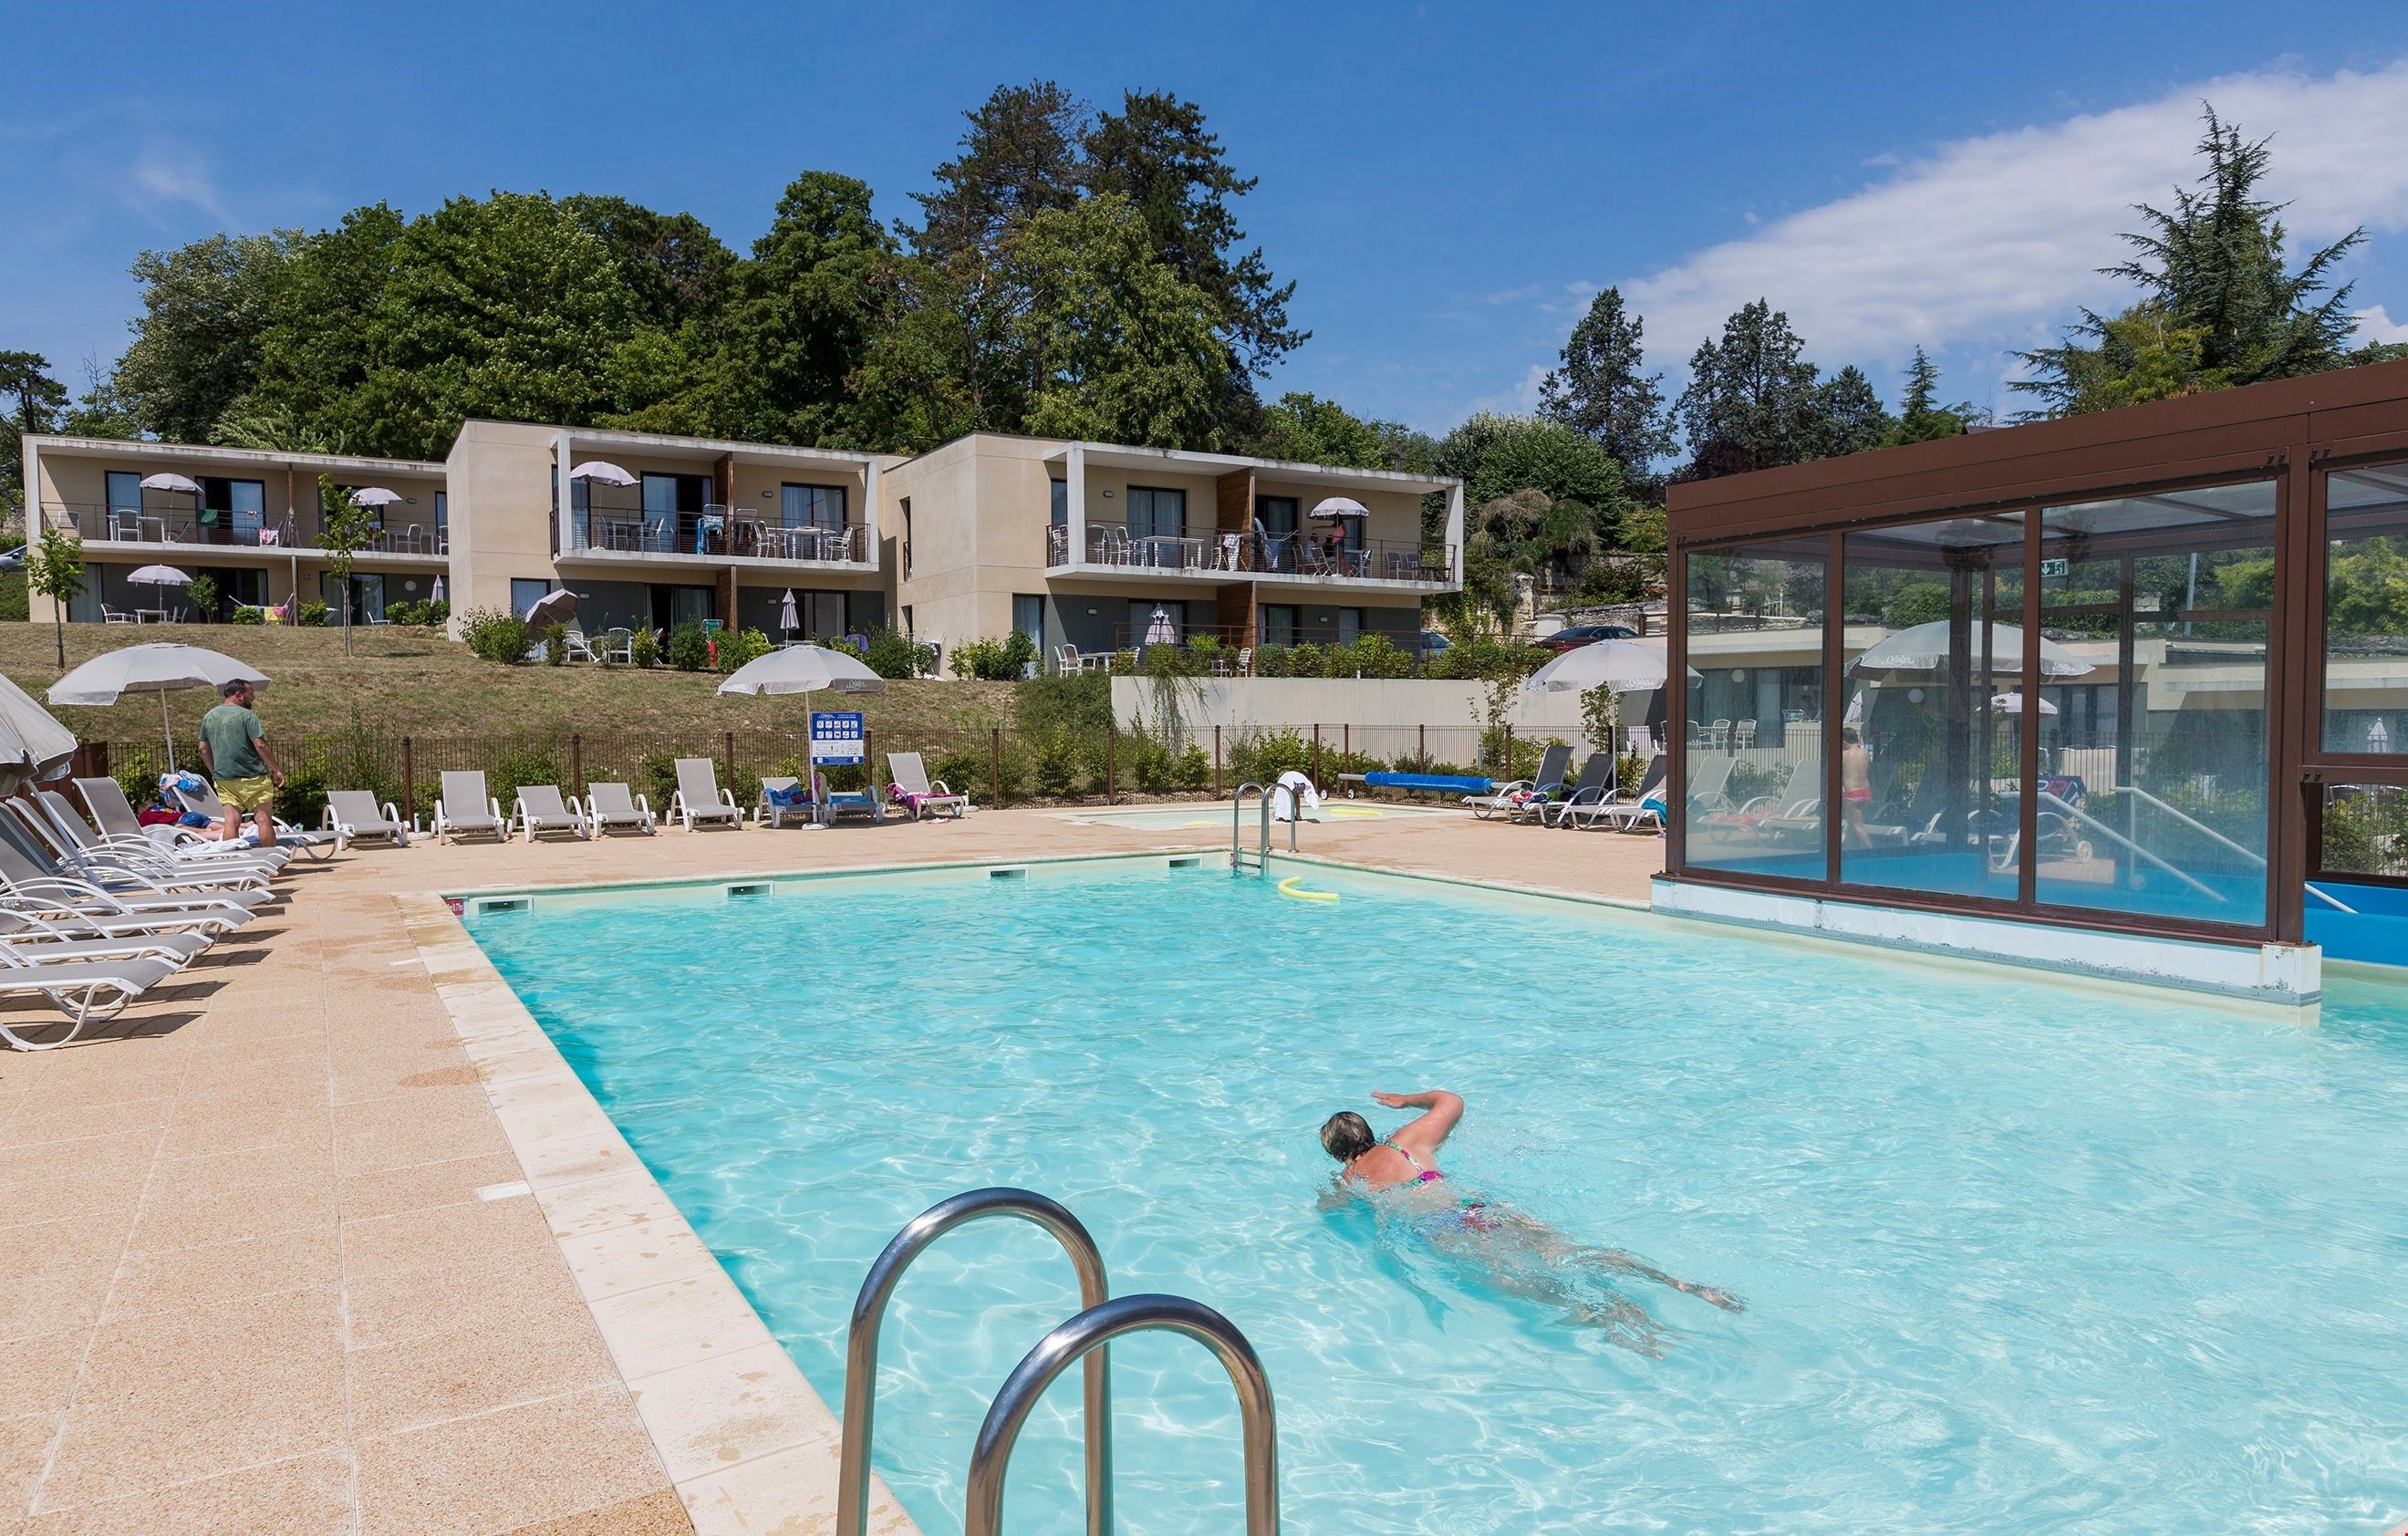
(1292, 786)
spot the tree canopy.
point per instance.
(1598, 388)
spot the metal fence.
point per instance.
(997, 766)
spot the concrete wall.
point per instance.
(501, 511)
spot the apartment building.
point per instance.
(1088, 547)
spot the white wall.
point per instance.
(1238, 704)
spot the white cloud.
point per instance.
(1992, 241)
(169, 173)
(2376, 325)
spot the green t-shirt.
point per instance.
(228, 731)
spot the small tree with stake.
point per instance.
(54, 569)
(344, 527)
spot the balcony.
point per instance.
(210, 529)
(1300, 557)
(714, 533)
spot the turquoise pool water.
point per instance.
(2016, 1258)
(1215, 816)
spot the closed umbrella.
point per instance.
(436, 594)
(787, 619)
(33, 744)
(159, 668)
(1159, 630)
(1927, 648)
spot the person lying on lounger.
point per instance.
(1517, 1253)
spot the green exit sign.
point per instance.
(2051, 568)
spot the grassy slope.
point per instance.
(414, 682)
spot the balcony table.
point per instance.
(1177, 546)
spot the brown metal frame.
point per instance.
(2293, 431)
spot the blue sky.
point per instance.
(1445, 184)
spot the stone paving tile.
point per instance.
(483, 1231)
(507, 1361)
(398, 1309)
(43, 1123)
(24, 1444)
(171, 1279)
(506, 1471)
(423, 1186)
(301, 1496)
(655, 1514)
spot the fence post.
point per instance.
(1346, 741)
(1421, 746)
(995, 761)
(576, 764)
(1216, 762)
(1507, 772)
(1316, 757)
(731, 760)
(408, 784)
(1112, 734)
(869, 755)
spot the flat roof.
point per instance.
(206, 453)
(1121, 456)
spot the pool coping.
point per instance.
(748, 1443)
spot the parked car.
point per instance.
(1585, 634)
(14, 559)
(1431, 643)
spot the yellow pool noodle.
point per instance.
(1288, 887)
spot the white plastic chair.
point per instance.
(699, 796)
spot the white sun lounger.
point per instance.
(65, 840)
(42, 939)
(699, 796)
(609, 805)
(354, 814)
(84, 844)
(540, 810)
(774, 814)
(86, 991)
(1550, 776)
(465, 807)
(908, 774)
(114, 814)
(37, 885)
(204, 798)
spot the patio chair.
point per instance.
(47, 854)
(1708, 777)
(609, 806)
(908, 786)
(54, 827)
(699, 796)
(1552, 764)
(782, 798)
(195, 792)
(85, 841)
(1744, 734)
(114, 814)
(1596, 781)
(849, 802)
(616, 644)
(32, 881)
(538, 809)
(578, 647)
(465, 807)
(41, 939)
(86, 991)
(1616, 807)
(353, 814)
(113, 615)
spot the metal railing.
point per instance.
(1261, 859)
(216, 527)
(1088, 1332)
(869, 1312)
(714, 531)
(1209, 551)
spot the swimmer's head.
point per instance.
(1347, 1135)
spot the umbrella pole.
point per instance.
(167, 728)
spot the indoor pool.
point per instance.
(2016, 1258)
(1214, 815)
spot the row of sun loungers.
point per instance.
(466, 810)
(94, 913)
(1594, 797)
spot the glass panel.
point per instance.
(1755, 787)
(1157, 514)
(2366, 609)
(2365, 833)
(1350, 625)
(1275, 520)
(2168, 597)
(442, 510)
(1061, 513)
(1930, 742)
(1279, 623)
(125, 491)
(811, 507)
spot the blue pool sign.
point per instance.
(836, 736)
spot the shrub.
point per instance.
(1271, 661)
(894, 655)
(656, 780)
(15, 607)
(644, 649)
(422, 615)
(964, 769)
(248, 615)
(202, 590)
(1375, 655)
(555, 645)
(1053, 763)
(743, 646)
(994, 661)
(527, 763)
(310, 615)
(690, 648)
(495, 634)
(1308, 660)
(1263, 756)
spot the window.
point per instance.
(1755, 799)
(2366, 610)
(811, 507)
(232, 510)
(1280, 622)
(1350, 626)
(526, 591)
(442, 511)
(673, 512)
(1154, 513)
(1275, 519)
(2171, 596)
(1930, 743)
(822, 615)
(125, 492)
(1154, 622)
(1061, 509)
(906, 507)
(1028, 617)
(366, 597)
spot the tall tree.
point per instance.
(314, 349)
(678, 272)
(1849, 415)
(1019, 157)
(815, 298)
(1751, 402)
(1157, 153)
(196, 343)
(1921, 416)
(1596, 387)
(1304, 428)
(2219, 306)
(25, 379)
(1496, 456)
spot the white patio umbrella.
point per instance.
(1925, 648)
(1626, 667)
(159, 668)
(787, 619)
(33, 744)
(1159, 630)
(159, 575)
(804, 669)
(550, 609)
(375, 495)
(183, 484)
(437, 594)
(602, 470)
(1339, 506)
(2013, 703)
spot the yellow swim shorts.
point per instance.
(245, 795)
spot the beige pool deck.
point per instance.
(324, 1238)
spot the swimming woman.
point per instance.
(1521, 1254)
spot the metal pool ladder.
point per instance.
(1240, 860)
(1079, 1340)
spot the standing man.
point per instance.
(234, 748)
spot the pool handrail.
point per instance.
(1085, 1335)
(869, 1314)
(1262, 861)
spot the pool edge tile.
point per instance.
(628, 1245)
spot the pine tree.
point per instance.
(1752, 401)
(1921, 416)
(1849, 414)
(1596, 388)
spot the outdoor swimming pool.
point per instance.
(2018, 1257)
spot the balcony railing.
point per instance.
(1116, 545)
(213, 527)
(714, 531)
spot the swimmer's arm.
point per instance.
(1440, 1111)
